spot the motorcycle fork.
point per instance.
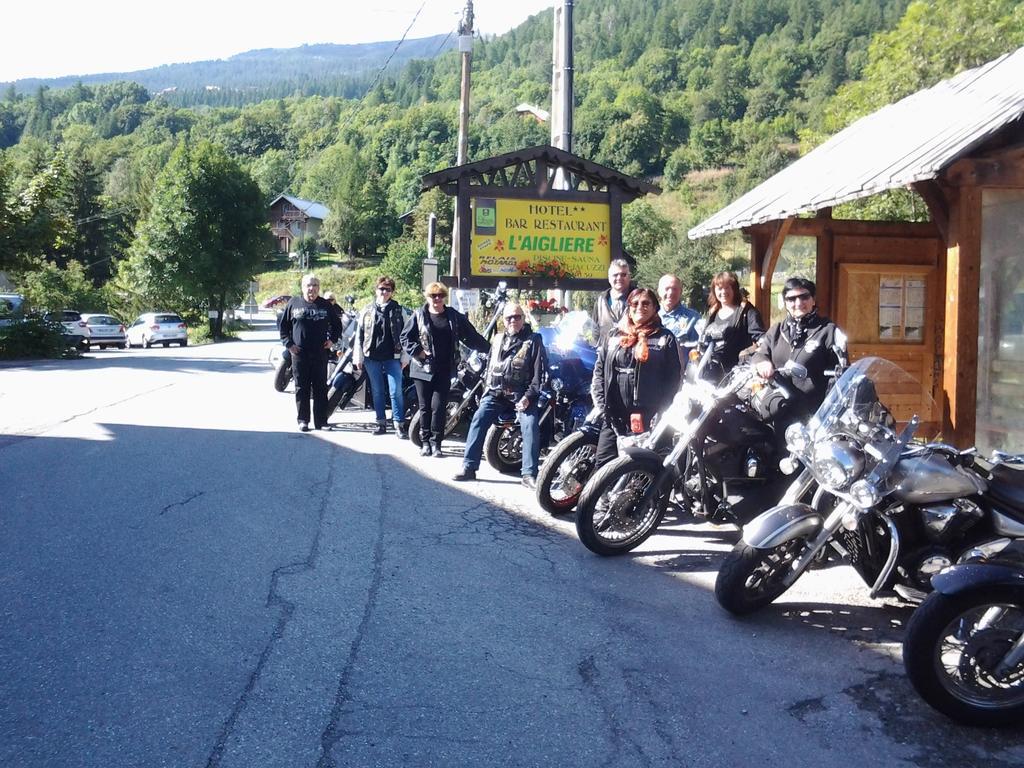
(828, 528)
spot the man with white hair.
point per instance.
(309, 326)
(515, 372)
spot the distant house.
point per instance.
(538, 114)
(292, 218)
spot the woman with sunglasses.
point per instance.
(378, 347)
(807, 338)
(733, 324)
(636, 375)
(431, 339)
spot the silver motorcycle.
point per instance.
(897, 511)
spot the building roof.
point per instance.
(909, 141)
(309, 207)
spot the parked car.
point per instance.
(157, 328)
(105, 331)
(12, 307)
(76, 332)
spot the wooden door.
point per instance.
(893, 311)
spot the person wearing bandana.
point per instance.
(807, 338)
(517, 367)
(636, 375)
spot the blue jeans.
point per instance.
(487, 413)
(376, 370)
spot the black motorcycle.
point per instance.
(567, 467)
(711, 453)
(964, 646)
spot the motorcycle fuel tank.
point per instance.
(930, 478)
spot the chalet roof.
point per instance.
(909, 141)
(595, 174)
(311, 208)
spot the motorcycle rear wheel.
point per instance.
(565, 471)
(751, 578)
(339, 397)
(951, 661)
(609, 517)
(503, 447)
(282, 376)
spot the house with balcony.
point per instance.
(292, 218)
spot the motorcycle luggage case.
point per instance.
(1006, 487)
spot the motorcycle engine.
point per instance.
(948, 521)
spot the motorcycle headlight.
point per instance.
(557, 384)
(864, 494)
(838, 463)
(797, 438)
(475, 363)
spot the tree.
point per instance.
(204, 234)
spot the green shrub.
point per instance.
(34, 337)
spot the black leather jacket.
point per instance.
(819, 349)
(518, 365)
(655, 381)
(416, 338)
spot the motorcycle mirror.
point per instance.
(350, 298)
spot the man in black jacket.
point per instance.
(309, 326)
(611, 304)
(518, 364)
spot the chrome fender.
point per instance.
(781, 524)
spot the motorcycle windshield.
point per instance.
(875, 392)
(573, 336)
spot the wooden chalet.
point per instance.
(945, 298)
(292, 217)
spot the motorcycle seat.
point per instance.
(1006, 487)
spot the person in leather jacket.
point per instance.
(636, 375)
(431, 338)
(308, 327)
(378, 348)
(516, 369)
(733, 324)
(610, 305)
(804, 337)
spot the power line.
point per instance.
(380, 72)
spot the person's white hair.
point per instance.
(310, 278)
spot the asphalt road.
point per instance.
(186, 580)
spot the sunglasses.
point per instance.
(513, 317)
(385, 289)
(797, 297)
(437, 295)
(644, 303)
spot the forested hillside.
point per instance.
(705, 96)
(269, 73)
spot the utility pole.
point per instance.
(561, 77)
(462, 157)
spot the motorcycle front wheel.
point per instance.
(613, 515)
(752, 578)
(565, 471)
(953, 649)
(503, 447)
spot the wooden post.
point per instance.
(960, 353)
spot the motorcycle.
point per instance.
(964, 646)
(564, 399)
(468, 380)
(711, 453)
(565, 470)
(897, 512)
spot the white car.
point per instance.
(157, 328)
(76, 332)
(105, 331)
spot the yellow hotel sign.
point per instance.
(536, 238)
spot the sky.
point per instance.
(81, 37)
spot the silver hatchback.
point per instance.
(157, 328)
(105, 331)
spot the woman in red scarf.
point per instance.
(636, 375)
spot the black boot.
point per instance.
(437, 445)
(424, 446)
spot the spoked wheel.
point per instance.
(340, 396)
(614, 514)
(956, 653)
(751, 578)
(503, 447)
(565, 471)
